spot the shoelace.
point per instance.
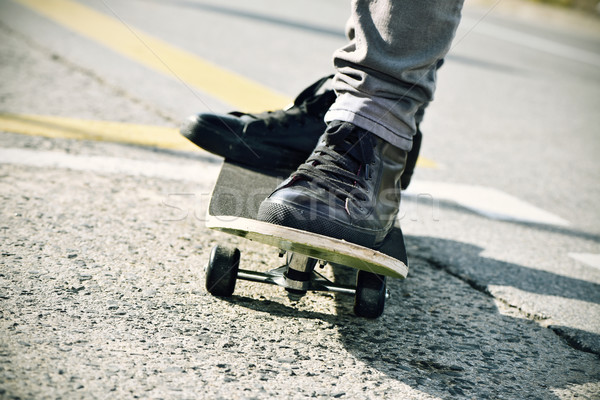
(341, 164)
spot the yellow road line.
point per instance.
(143, 135)
(59, 127)
(423, 162)
(156, 54)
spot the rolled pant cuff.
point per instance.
(378, 125)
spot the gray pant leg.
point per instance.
(387, 71)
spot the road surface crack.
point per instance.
(562, 332)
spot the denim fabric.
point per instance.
(386, 74)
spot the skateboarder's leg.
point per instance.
(349, 187)
(387, 71)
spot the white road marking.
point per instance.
(110, 165)
(486, 201)
(531, 41)
(489, 202)
(593, 260)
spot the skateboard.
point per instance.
(233, 208)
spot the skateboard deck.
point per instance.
(233, 209)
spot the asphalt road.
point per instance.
(103, 243)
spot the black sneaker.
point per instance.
(279, 139)
(349, 188)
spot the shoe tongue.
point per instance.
(320, 87)
(350, 141)
(339, 130)
(319, 104)
(345, 133)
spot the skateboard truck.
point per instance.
(297, 276)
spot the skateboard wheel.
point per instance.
(222, 270)
(370, 294)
